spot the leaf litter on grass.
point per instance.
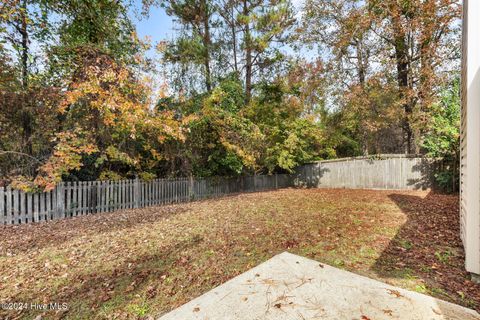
(133, 264)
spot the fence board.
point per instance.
(99, 204)
(132, 193)
(96, 197)
(75, 205)
(103, 194)
(114, 197)
(60, 201)
(80, 192)
(83, 210)
(21, 208)
(123, 202)
(36, 205)
(29, 201)
(75, 200)
(48, 209)
(3, 218)
(8, 207)
(42, 208)
(107, 196)
(91, 204)
(149, 193)
(161, 197)
(16, 207)
(111, 200)
(128, 194)
(122, 195)
(85, 197)
(68, 199)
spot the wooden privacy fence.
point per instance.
(387, 171)
(71, 199)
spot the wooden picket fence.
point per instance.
(71, 199)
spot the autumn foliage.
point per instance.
(243, 87)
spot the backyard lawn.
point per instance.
(142, 263)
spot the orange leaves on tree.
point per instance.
(109, 111)
(67, 156)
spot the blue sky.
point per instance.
(158, 25)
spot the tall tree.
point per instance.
(422, 37)
(21, 22)
(90, 27)
(226, 36)
(413, 42)
(263, 24)
(195, 44)
(340, 31)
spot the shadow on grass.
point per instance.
(129, 285)
(427, 251)
(27, 237)
(16, 239)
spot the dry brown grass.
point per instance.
(140, 263)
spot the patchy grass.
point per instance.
(139, 263)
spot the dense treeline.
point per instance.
(244, 86)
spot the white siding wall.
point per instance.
(470, 137)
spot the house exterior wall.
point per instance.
(470, 137)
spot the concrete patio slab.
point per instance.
(292, 287)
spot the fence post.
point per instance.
(191, 194)
(136, 192)
(9, 205)
(276, 182)
(60, 190)
(2, 212)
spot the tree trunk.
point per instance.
(402, 62)
(360, 63)
(365, 146)
(24, 34)
(26, 114)
(234, 42)
(361, 80)
(248, 56)
(206, 44)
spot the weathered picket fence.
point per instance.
(71, 199)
